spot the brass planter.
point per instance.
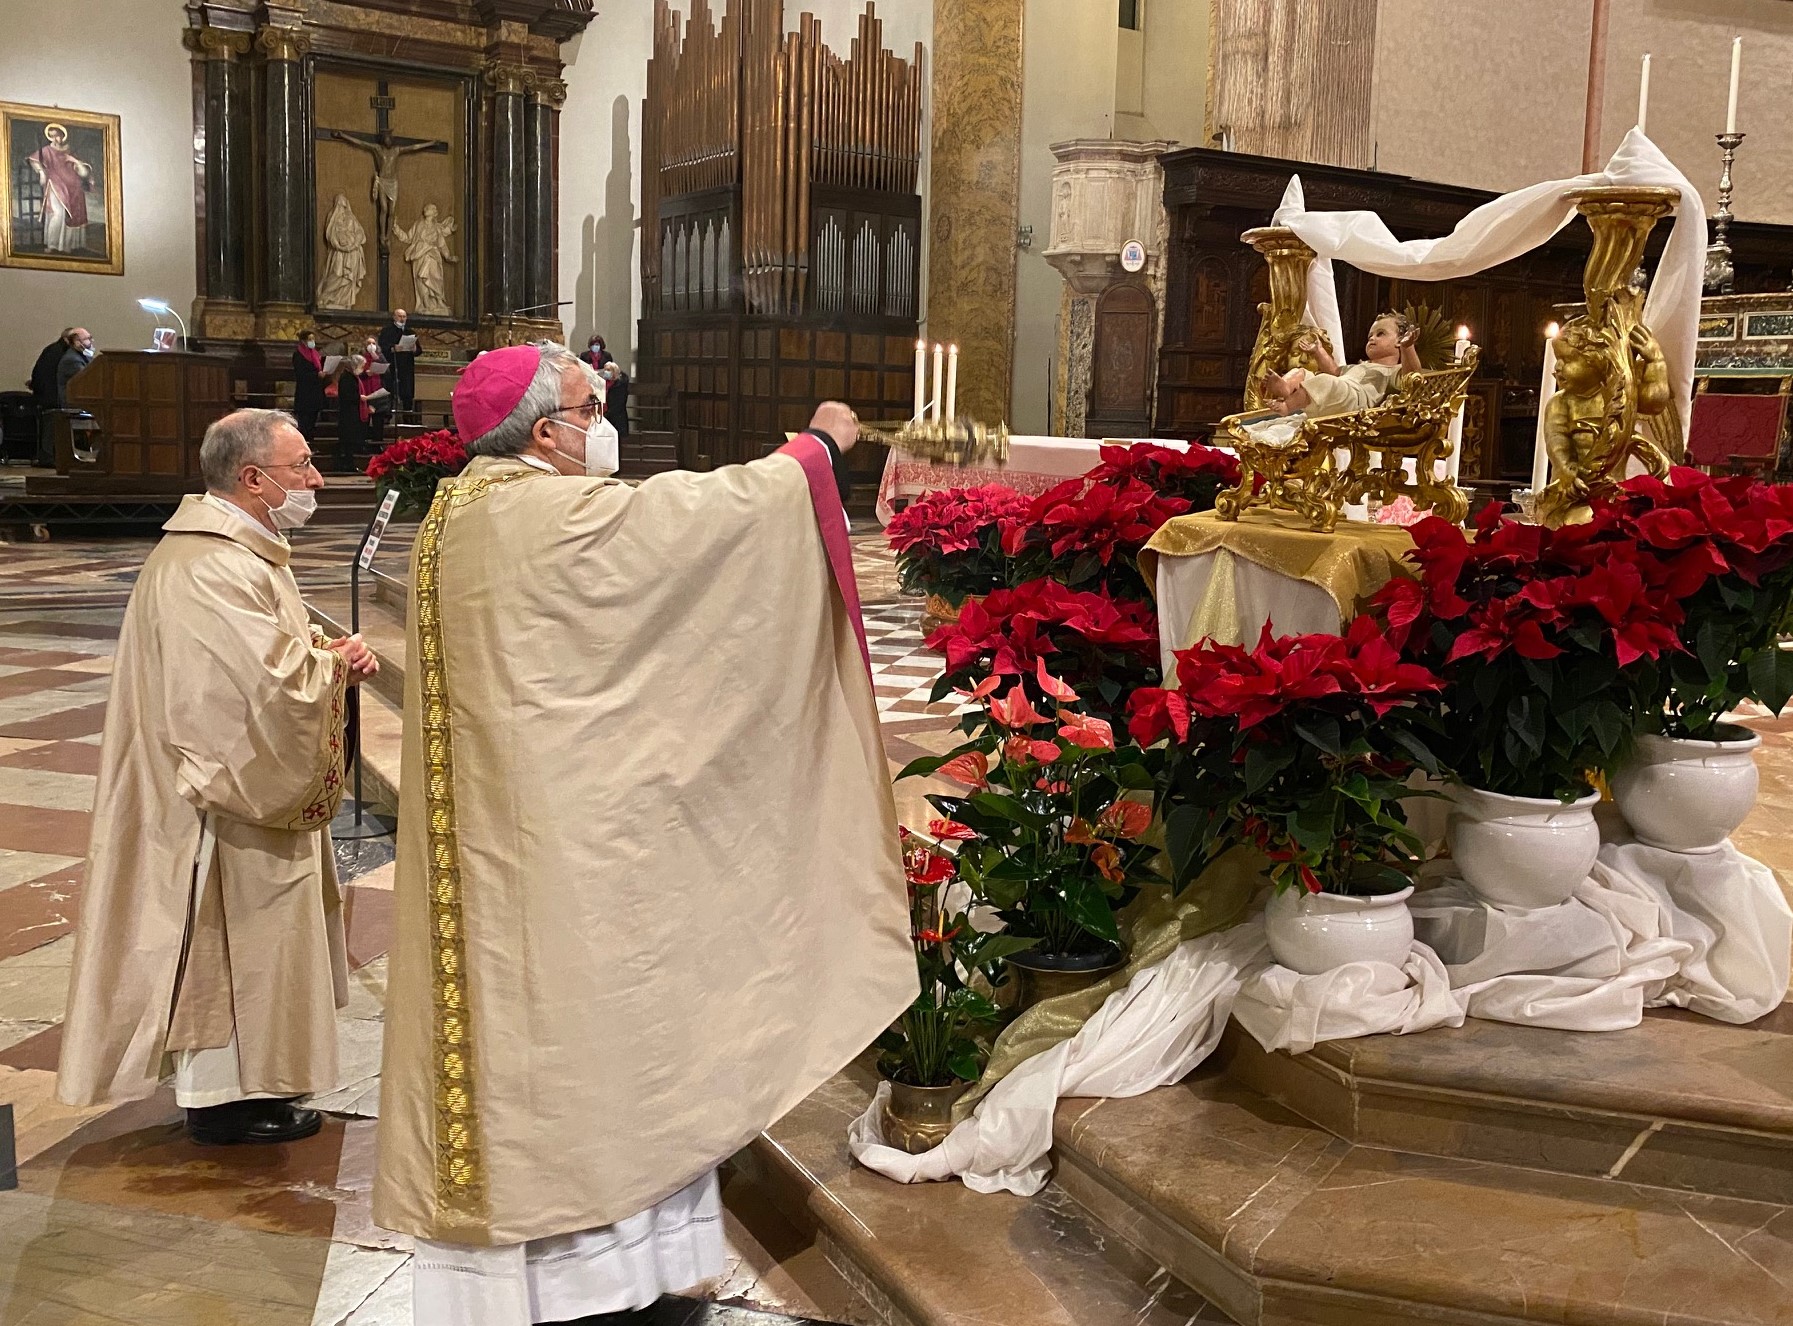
(937, 612)
(917, 1119)
(1043, 976)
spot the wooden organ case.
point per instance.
(781, 254)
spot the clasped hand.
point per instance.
(354, 652)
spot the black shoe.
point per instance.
(252, 1121)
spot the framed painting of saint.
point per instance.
(61, 187)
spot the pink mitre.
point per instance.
(491, 387)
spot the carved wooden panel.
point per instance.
(1121, 385)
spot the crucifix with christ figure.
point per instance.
(386, 149)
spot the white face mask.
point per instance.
(300, 505)
(601, 458)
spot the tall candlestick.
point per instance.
(1736, 70)
(921, 379)
(939, 373)
(1547, 388)
(952, 382)
(1643, 96)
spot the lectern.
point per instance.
(150, 410)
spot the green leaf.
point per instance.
(996, 805)
(1417, 750)
(1712, 646)
(921, 768)
(1090, 908)
(1263, 763)
(1770, 673)
(1134, 777)
(965, 1061)
(1322, 731)
(1608, 722)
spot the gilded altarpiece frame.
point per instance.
(61, 190)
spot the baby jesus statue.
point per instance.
(1388, 353)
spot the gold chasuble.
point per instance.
(649, 894)
(223, 751)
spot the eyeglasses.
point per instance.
(593, 404)
(301, 466)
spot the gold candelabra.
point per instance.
(959, 442)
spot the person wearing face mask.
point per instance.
(211, 922)
(77, 357)
(647, 834)
(402, 381)
(308, 385)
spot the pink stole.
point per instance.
(812, 454)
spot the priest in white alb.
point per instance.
(211, 923)
(649, 893)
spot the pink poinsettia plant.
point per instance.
(414, 466)
(1301, 747)
(949, 543)
(1052, 821)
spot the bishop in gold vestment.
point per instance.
(649, 893)
(211, 924)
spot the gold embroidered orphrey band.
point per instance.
(460, 1175)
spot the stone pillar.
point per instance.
(546, 97)
(223, 310)
(286, 184)
(974, 195)
(507, 237)
(1104, 193)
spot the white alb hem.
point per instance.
(673, 1245)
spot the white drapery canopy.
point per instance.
(1507, 227)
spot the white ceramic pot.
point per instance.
(1522, 852)
(1688, 795)
(1312, 933)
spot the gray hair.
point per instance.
(240, 438)
(512, 437)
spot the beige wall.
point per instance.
(78, 57)
(1069, 52)
(1490, 93)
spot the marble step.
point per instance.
(938, 1254)
(1680, 1102)
(1281, 1223)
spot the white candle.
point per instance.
(1736, 71)
(921, 379)
(939, 373)
(1546, 389)
(1462, 343)
(1643, 96)
(952, 382)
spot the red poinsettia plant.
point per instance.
(1050, 832)
(949, 543)
(1302, 747)
(944, 1036)
(1737, 533)
(1103, 646)
(414, 466)
(1087, 532)
(1537, 634)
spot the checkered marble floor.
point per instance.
(903, 672)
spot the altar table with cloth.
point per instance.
(1222, 580)
(1034, 465)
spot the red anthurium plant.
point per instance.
(1103, 646)
(1726, 545)
(1537, 634)
(1052, 817)
(944, 1036)
(414, 466)
(949, 543)
(1302, 747)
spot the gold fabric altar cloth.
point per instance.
(1348, 565)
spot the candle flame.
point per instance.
(1462, 332)
(1550, 331)
(921, 345)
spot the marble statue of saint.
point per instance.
(384, 189)
(426, 249)
(345, 257)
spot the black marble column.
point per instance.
(227, 165)
(546, 96)
(286, 177)
(508, 236)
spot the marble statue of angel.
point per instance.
(426, 249)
